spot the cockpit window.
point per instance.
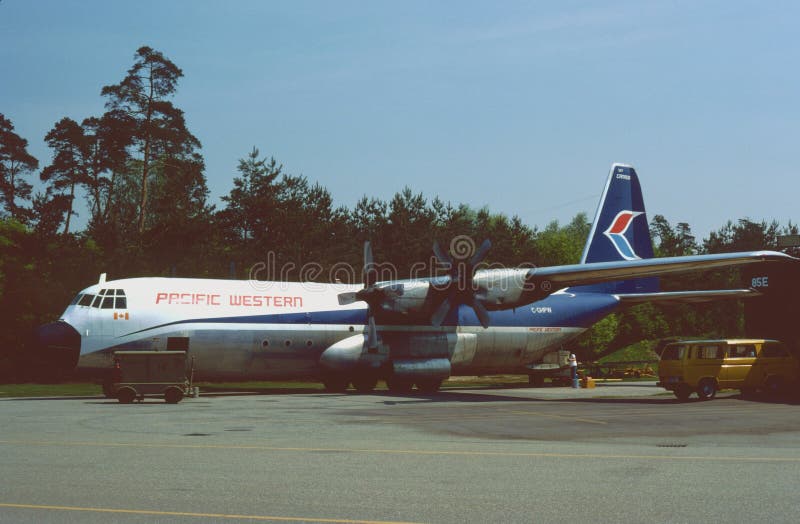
(76, 299)
(86, 300)
(105, 299)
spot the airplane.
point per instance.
(415, 332)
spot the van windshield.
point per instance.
(774, 350)
(673, 352)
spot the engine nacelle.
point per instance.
(408, 298)
(421, 369)
(344, 355)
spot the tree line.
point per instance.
(142, 175)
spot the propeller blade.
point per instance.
(480, 311)
(367, 253)
(370, 273)
(441, 312)
(372, 334)
(480, 254)
(442, 256)
(347, 298)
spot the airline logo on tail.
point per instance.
(616, 233)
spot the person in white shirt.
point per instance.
(573, 365)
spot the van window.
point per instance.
(673, 352)
(708, 352)
(742, 351)
(774, 350)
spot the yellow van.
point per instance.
(706, 366)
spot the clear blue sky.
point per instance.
(521, 106)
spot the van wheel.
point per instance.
(682, 392)
(774, 386)
(707, 389)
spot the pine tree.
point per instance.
(15, 162)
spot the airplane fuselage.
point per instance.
(272, 330)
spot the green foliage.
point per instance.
(562, 245)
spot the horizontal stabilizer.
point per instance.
(687, 297)
(582, 274)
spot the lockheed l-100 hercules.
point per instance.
(406, 332)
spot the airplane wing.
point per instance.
(509, 288)
(497, 289)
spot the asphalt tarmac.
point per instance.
(618, 453)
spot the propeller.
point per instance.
(461, 289)
(373, 295)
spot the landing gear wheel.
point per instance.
(535, 381)
(399, 386)
(682, 392)
(335, 384)
(365, 384)
(707, 389)
(126, 395)
(429, 386)
(173, 395)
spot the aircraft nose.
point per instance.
(57, 346)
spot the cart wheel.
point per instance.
(173, 395)
(126, 395)
(108, 390)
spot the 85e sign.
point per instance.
(759, 282)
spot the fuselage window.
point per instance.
(121, 303)
(108, 303)
(86, 300)
(97, 300)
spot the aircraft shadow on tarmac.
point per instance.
(447, 396)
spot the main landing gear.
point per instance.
(367, 384)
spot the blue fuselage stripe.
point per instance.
(562, 310)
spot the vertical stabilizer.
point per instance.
(620, 231)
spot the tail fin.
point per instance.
(620, 231)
